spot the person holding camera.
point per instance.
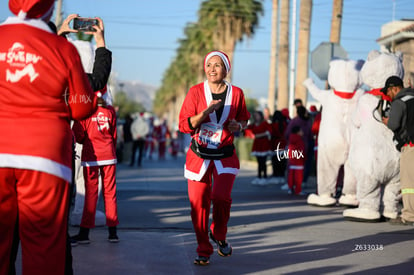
(103, 57)
(401, 122)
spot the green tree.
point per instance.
(126, 105)
(251, 104)
(229, 21)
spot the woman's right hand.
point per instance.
(214, 106)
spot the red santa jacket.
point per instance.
(196, 101)
(98, 135)
(296, 150)
(161, 132)
(42, 87)
(261, 145)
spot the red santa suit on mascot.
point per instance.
(212, 154)
(35, 172)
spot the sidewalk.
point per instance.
(271, 232)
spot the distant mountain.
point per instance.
(137, 91)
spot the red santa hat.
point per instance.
(223, 57)
(31, 8)
(285, 113)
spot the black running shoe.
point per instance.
(202, 260)
(79, 239)
(73, 242)
(224, 249)
(112, 237)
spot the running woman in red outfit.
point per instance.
(212, 111)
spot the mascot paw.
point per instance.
(390, 215)
(362, 215)
(348, 200)
(321, 200)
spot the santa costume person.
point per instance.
(35, 172)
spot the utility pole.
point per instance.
(336, 25)
(283, 65)
(303, 49)
(292, 58)
(273, 59)
(58, 20)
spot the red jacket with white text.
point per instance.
(42, 87)
(98, 135)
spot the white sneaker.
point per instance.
(262, 182)
(273, 180)
(285, 187)
(281, 180)
(255, 181)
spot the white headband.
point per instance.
(223, 57)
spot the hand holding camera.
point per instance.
(92, 26)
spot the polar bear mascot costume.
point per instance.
(373, 157)
(334, 137)
(87, 54)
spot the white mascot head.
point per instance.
(379, 66)
(344, 74)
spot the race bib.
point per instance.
(210, 133)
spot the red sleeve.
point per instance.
(78, 132)
(188, 109)
(249, 131)
(113, 124)
(316, 124)
(82, 100)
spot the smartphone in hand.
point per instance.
(84, 24)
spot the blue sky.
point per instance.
(143, 35)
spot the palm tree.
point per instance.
(184, 71)
(283, 73)
(229, 21)
(273, 59)
(303, 49)
(336, 22)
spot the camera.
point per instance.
(84, 24)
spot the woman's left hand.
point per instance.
(233, 126)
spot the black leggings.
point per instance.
(279, 166)
(261, 161)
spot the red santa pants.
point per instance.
(295, 178)
(91, 175)
(201, 194)
(41, 202)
